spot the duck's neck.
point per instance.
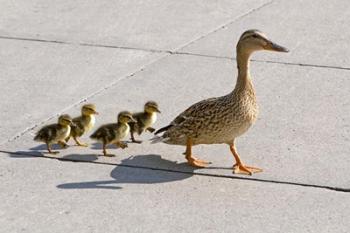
(243, 80)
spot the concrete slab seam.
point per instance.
(264, 61)
(337, 189)
(224, 25)
(170, 52)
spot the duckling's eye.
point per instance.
(255, 36)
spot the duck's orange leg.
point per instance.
(193, 161)
(238, 167)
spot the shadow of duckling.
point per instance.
(25, 154)
(43, 148)
(125, 173)
(98, 146)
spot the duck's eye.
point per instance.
(255, 36)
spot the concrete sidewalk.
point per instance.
(56, 56)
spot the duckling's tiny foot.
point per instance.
(151, 130)
(63, 144)
(79, 143)
(136, 141)
(53, 152)
(109, 155)
(247, 170)
(122, 145)
(83, 144)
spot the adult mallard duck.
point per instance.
(222, 119)
(144, 120)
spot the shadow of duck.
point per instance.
(125, 173)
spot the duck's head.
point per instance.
(125, 117)
(89, 109)
(254, 40)
(151, 107)
(65, 120)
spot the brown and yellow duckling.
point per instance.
(83, 123)
(114, 133)
(222, 119)
(144, 120)
(55, 133)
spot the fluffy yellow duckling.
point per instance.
(83, 123)
(144, 120)
(55, 133)
(115, 132)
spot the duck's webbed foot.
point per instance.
(238, 167)
(242, 169)
(193, 161)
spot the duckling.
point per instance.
(55, 133)
(83, 123)
(222, 119)
(115, 132)
(144, 120)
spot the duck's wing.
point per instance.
(47, 133)
(78, 128)
(194, 114)
(196, 110)
(138, 126)
(105, 132)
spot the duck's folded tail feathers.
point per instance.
(37, 137)
(163, 129)
(95, 135)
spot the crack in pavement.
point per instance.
(265, 61)
(332, 188)
(175, 52)
(224, 25)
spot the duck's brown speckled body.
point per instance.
(214, 121)
(222, 119)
